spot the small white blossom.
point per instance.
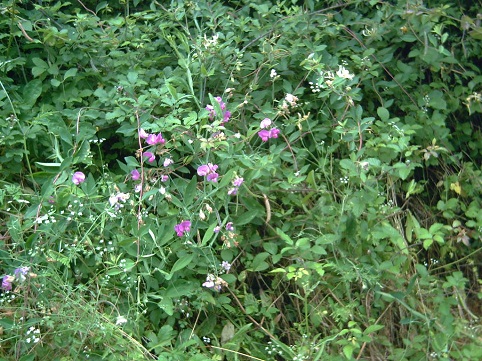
(344, 73)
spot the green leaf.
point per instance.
(190, 191)
(132, 77)
(348, 351)
(372, 328)
(166, 305)
(383, 114)
(70, 73)
(180, 264)
(285, 237)
(31, 92)
(246, 217)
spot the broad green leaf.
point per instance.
(132, 77)
(180, 264)
(31, 92)
(70, 73)
(383, 114)
(246, 217)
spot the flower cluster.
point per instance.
(33, 335)
(151, 139)
(266, 132)
(214, 282)
(342, 72)
(19, 275)
(208, 171)
(236, 184)
(222, 105)
(117, 200)
(182, 228)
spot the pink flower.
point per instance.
(233, 191)
(7, 282)
(229, 226)
(212, 112)
(183, 227)
(205, 169)
(212, 177)
(153, 139)
(222, 105)
(149, 155)
(164, 178)
(78, 178)
(267, 134)
(264, 135)
(143, 134)
(265, 123)
(135, 175)
(226, 116)
(273, 133)
(238, 181)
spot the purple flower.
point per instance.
(212, 177)
(265, 123)
(267, 134)
(273, 133)
(164, 178)
(135, 175)
(7, 282)
(217, 229)
(264, 135)
(208, 170)
(21, 273)
(233, 191)
(222, 105)
(168, 162)
(229, 226)
(183, 227)
(153, 139)
(78, 178)
(226, 116)
(149, 155)
(238, 181)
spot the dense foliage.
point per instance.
(240, 180)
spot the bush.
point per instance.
(240, 180)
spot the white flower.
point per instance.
(291, 99)
(168, 162)
(344, 73)
(120, 320)
(273, 74)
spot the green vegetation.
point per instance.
(240, 180)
